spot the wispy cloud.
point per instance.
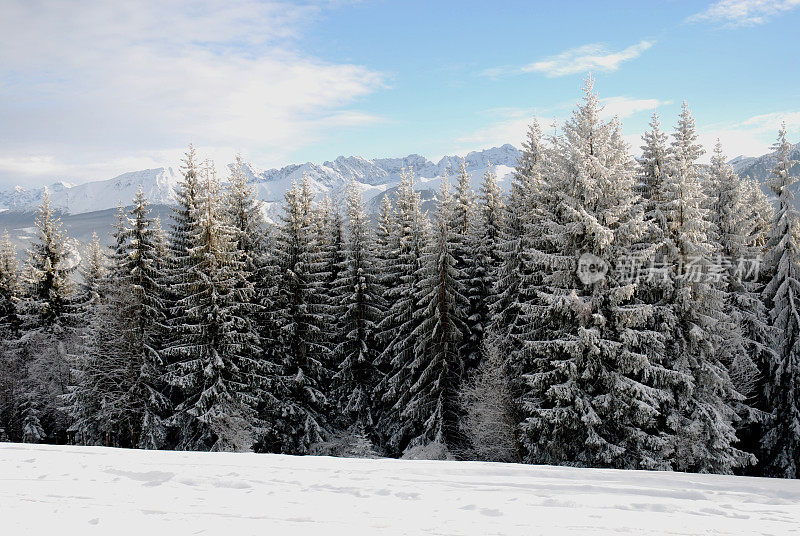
(86, 87)
(623, 107)
(509, 125)
(593, 57)
(752, 137)
(736, 13)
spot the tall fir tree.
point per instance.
(214, 355)
(781, 440)
(438, 365)
(98, 402)
(137, 270)
(48, 324)
(356, 354)
(517, 279)
(703, 415)
(11, 369)
(408, 239)
(486, 258)
(745, 332)
(253, 241)
(299, 420)
(327, 266)
(594, 393)
(179, 262)
(463, 224)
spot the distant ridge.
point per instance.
(373, 177)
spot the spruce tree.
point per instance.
(593, 395)
(137, 270)
(438, 366)
(781, 440)
(327, 265)
(213, 357)
(11, 368)
(253, 241)
(486, 258)
(517, 280)
(702, 416)
(408, 240)
(356, 285)
(99, 402)
(745, 330)
(463, 226)
(299, 420)
(48, 327)
(179, 262)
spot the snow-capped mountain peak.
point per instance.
(373, 177)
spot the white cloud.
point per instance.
(504, 125)
(623, 107)
(594, 57)
(736, 13)
(87, 87)
(510, 125)
(753, 136)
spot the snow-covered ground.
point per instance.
(94, 490)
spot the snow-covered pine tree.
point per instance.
(98, 402)
(137, 271)
(215, 351)
(182, 233)
(653, 169)
(438, 365)
(299, 418)
(9, 284)
(593, 397)
(655, 255)
(702, 416)
(384, 232)
(48, 335)
(781, 441)
(463, 225)
(517, 277)
(327, 265)
(652, 174)
(484, 244)
(406, 245)
(252, 240)
(745, 333)
(11, 369)
(357, 376)
(751, 279)
(387, 247)
(241, 209)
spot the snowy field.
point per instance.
(94, 490)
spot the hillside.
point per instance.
(760, 167)
(96, 490)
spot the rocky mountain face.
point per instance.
(373, 177)
(760, 167)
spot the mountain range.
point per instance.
(90, 207)
(760, 167)
(373, 177)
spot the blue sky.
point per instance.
(92, 89)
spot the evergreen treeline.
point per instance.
(607, 312)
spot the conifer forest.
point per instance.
(607, 311)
